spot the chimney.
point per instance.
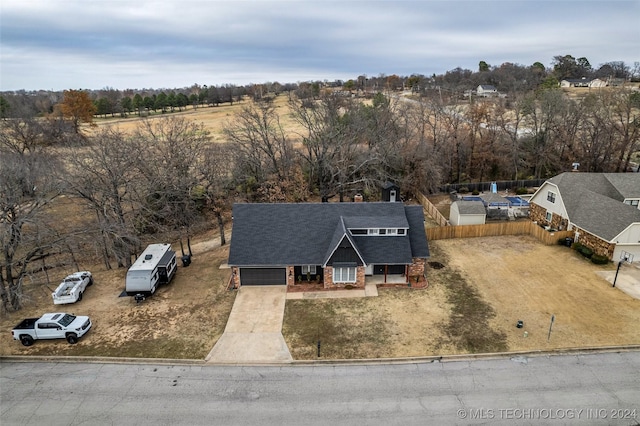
(357, 198)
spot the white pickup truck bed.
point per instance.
(72, 287)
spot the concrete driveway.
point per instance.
(628, 278)
(254, 330)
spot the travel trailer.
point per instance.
(155, 266)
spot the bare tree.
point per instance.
(102, 175)
(333, 157)
(27, 186)
(263, 153)
(169, 181)
(215, 167)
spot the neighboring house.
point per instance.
(486, 90)
(467, 213)
(583, 82)
(335, 244)
(602, 208)
(575, 82)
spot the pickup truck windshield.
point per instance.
(66, 320)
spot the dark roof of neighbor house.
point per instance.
(594, 201)
(488, 87)
(308, 233)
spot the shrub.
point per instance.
(521, 191)
(463, 190)
(475, 192)
(599, 260)
(576, 246)
(586, 252)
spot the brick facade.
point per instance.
(417, 268)
(598, 245)
(539, 215)
(329, 284)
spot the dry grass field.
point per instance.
(213, 118)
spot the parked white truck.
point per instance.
(72, 287)
(56, 325)
(155, 266)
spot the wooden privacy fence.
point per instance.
(497, 229)
(432, 210)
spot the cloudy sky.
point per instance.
(91, 44)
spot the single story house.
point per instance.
(602, 208)
(583, 82)
(467, 213)
(337, 245)
(486, 90)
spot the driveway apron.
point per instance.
(254, 330)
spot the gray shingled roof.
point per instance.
(304, 233)
(594, 201)
(470, 207)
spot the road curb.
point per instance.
(370, 361)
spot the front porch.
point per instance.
(390, 279)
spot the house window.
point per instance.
(551, 197)
(373, 231)
(344, 274)
(382, 232)
(358, 232)
(308, 269)
(549, 216)
(632, 202)
(392, 231)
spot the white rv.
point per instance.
(155, 266)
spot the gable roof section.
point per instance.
(339, 235)
(306, 233)
(594, 201)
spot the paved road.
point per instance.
(570, 389)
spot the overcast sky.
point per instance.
(92, 44)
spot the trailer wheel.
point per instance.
(26, 340)
(90, 282)
(80, 297)
(72, 338)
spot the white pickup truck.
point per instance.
(51, 326)
(71, 288)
